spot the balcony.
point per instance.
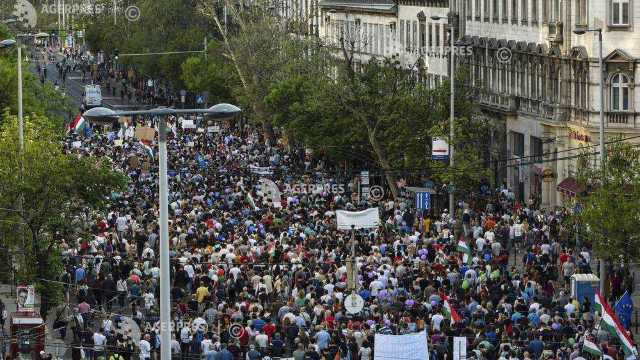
(620, 119)
(498, 102)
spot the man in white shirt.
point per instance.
(145, 348)
(436, 320)
(99, 341)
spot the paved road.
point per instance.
(74, 86)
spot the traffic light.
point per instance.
(116, 52)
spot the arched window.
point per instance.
(619, 93)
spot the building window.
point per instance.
(619, 12)
(486, 10)
(545, 11)
(505, 11)
(437, 36)
(619, 93)
(430, 37)
(496, 13)
(524, 11)
(514, 11)
(477, 10)
(469, 9)
(415, 35)
(387, 35)
(581, 12)
(408, 44)
(402, 34)
(423, 40)
(534, 12)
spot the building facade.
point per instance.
(534, 72)
(531, 72)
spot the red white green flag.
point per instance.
(449, 312)
(609, 321)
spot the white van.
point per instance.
(92, 96)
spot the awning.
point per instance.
(570, 187)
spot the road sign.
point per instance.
(200, 99)
(423, 200)
(354, 303)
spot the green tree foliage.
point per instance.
(163, 26)
(212, 75)
(382, 114)
(611, 202)
(42, 190)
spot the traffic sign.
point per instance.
(423, 200)
(354, 303)
(200, 99)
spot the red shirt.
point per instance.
(269, 329)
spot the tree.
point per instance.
(611, 203)
(42, 189)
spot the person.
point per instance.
(298, 353)
(253, 354)
(145, 347)
(365, 351)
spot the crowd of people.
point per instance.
(254, 280)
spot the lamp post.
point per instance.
(220, 111)
(452, 26)
(6, 44)
(602, 157)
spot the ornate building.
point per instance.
(531, 72)
(534, 72)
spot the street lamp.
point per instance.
(220, 111)
(603, 268)
(452, 26)
(6, 44)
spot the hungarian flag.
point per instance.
(610, 322)
(591, 348)
(146, 145)
(450, 312)
(77, 125)
(464, 248)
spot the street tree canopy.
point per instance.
(611, 202)
(41, 190)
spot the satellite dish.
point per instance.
(354, 303)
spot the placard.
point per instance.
(459, 348)
(188, 124)
(25, 298)
(401, 347)
(145, 133)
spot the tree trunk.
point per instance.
(384, 162)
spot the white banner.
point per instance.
(366, 219)
(401, 347)
(269, 190)
(188, 124)
(459, 348)
(260, 170)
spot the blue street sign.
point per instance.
(423, 200)
(200, 99)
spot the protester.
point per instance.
(256, 276)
